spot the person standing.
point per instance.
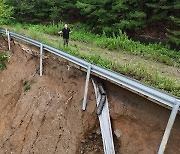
(65, 31)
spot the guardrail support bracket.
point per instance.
(86, 87)
(41, 59)
(9, 40)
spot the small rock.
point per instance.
(83, 141)
(90, 136)
(96, 150)
(98, 131)
(82, 151)
(94, 131)
(118, 133)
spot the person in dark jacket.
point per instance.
(65, 31)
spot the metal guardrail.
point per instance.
(162, 98)
(127, 82)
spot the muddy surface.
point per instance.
(43, 114)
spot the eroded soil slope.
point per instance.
(43, 115)
(47, 116)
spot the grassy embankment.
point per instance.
(121, 43)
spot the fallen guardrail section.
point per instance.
(104, 119)
(164, 99)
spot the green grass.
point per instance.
(3, 58)
(120, 43)
(27, 85)
(137, 71)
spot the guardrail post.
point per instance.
(41, 58)
(9, 39)
(86, 87)
(168, 128)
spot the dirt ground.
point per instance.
(43, 115)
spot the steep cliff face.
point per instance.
(43, 114)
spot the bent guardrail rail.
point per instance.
(148, 92)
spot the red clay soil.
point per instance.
(43, 115)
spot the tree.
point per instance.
(23, 9)
(131, 14)
(167, 11)
(5, 12)
(42, 10)
(174, 35)
(112, 15)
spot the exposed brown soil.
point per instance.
(47, 118)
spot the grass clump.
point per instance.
(27, 85)
(3, 58)
(152, 78)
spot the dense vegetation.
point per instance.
(5, 12)
(104, 15)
